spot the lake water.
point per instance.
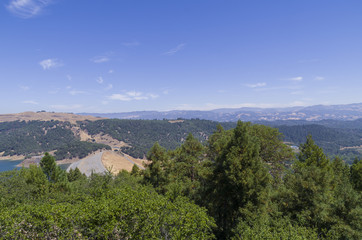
(6, 165)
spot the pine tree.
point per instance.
(49, 166)
(356, 174)
(240, 181)
(308, 192)
(156, 171)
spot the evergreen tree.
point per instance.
(345, 207)
(53, 172)
(75, 175)
(240, 181)
(157, 170)
(135, 170)
(356, 174)
(308, 191)
(272, 149)
(186, 165)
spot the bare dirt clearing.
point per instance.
(90, 164)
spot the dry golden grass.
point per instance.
(176, 121)
(116, 162)
(45, 116)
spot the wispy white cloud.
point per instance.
(54, 91)
(287, 87)
(100, 59)
(133, 95)
(24, 88)
(173, 51)
(63, 107)
(30, 102)
(152, 96)
(100, 80)
(296, 79)
(110, 71)
(131, 44)
(297, 93)
(256, 85)
(50, 63)
(69, 77)
(319, 78)
(109, 87)
(27, 8)
(76, 92)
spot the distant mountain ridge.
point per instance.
(310, 113)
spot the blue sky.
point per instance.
(133, 55)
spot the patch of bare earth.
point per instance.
(106, 139)
(176, 121)
(117, 162)
(12, 158)
(110, 141)
(353, 147)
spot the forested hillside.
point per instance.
(332, 140)
(142, 134)
(239, 184)
(34, 137)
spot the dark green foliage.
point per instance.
(36, 137)
(240, 180)
(135, 170)
(241, 176)
(346, 208)
(49, 167)
(330, 139)
(33, 137)
(356, 174)
(75, 174)
(100, 207)
(310, 199)
(309, 188)
(78, 149)
(142, 134)
(262, 228)
(157, 171)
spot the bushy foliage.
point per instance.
(255, 189)
(251, 184)
(98, 207)
(78, 149)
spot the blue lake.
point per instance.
(6, 165)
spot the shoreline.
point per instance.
(12, 158)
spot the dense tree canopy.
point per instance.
(242, 183)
